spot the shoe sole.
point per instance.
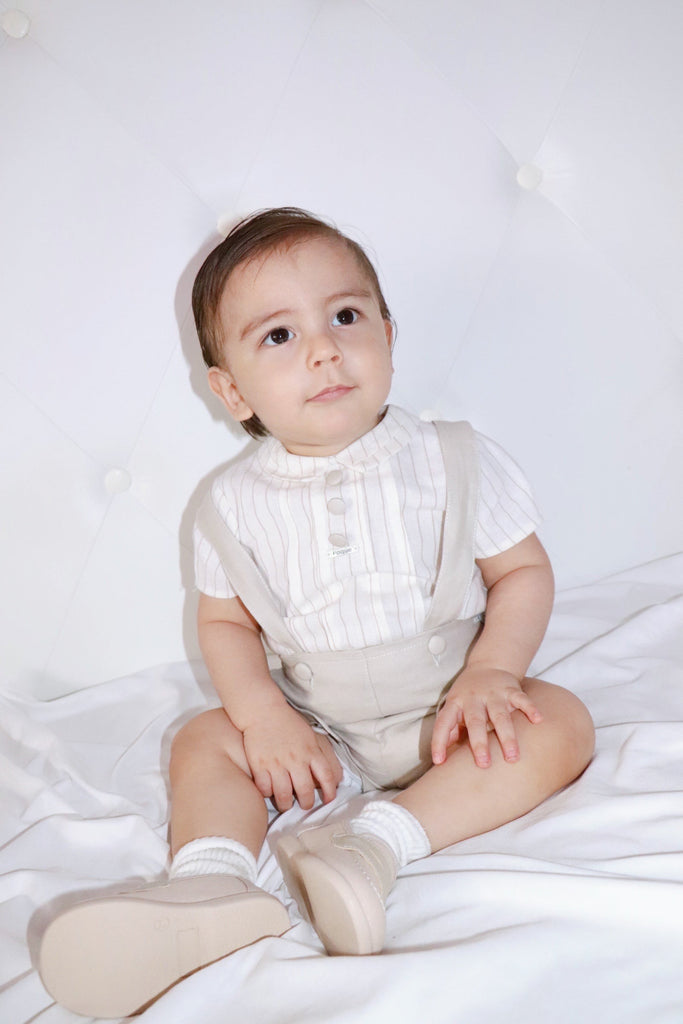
(327, 901)
(111, 957)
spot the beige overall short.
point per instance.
(378, 704)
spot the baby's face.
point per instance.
(306, 348)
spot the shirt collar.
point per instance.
(395, 430)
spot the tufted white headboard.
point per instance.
(516, 168)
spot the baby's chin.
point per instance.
(328, 425)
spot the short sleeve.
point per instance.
(209, 574)
(507, 510)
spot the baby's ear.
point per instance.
(222, 384)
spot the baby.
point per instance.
(393, 567)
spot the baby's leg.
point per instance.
(458, 799)
(110, 955)
(345, 871)
(212, 792)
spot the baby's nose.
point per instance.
(324, 349)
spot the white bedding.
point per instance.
(571, 914)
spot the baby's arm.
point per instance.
(520, 596)
(286, 757)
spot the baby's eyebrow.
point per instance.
(357, 293)
(254, 325)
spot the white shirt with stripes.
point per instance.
(349, 543)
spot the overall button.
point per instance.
(338, 540)
(336, 505)
(436, 645)
(334, 477)
(303, 672)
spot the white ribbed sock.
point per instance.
(396, 826)
(214, 855)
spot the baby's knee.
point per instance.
(207, 736)
(574, 729)
(568, 726)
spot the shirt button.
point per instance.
(334, 477)
(436, 645)
(338, 540)
(303, 672)
(336, 505)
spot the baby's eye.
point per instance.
(278, 336)
(344, 317)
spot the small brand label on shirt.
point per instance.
(348, 550)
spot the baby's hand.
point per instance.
(288, 760)
(482, 700)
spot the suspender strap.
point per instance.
(245, 576)
(456, 565)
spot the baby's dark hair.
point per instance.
(258, 235)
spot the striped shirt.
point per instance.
(349, 543)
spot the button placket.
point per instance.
(336, 507)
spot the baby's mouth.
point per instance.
(329, 394)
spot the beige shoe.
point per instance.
(340, 882)
(110, 956)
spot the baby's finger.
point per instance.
(330, 772)
(283, 793)
(303, 786)
(263, 782)
(327, 777)
(446, 731)
(475, 722)
(523, 702)
(504, 728)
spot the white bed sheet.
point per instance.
(572, 914)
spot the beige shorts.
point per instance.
(378, 705)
